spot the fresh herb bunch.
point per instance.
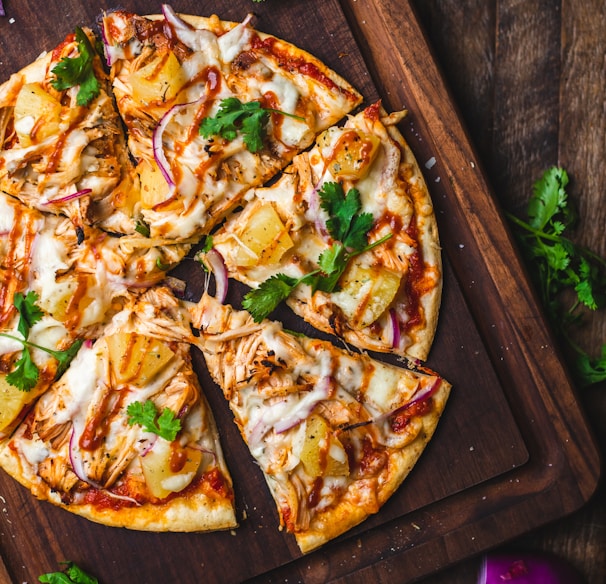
(563, 269)
(234, 117)
(145, 414)
(347, 226)
(25, 375)
(78, 71)
(72, 574)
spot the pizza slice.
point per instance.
(212, 108)
(125, 437)
(62, 146)
(57, 287)
(347, 236)
(335, 433)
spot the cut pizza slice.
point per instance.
(57, 287)
(125, 437)
(348, 236)
(212, 108)
(335, 433)
(62, 146)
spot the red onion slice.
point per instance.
(527, 568)
(187, 34)
(75, 459)
(395, 328)
(217, 265)
(424, 393)
(69, 197)
(77, 464)
(111, 52)
(158, 145)
(2, 12)
(421, 394)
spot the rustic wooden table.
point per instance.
(530, 81)
(528, 78)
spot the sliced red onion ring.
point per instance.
(424, 393)
(314, 207)
(148, 445)
(158, 146)
(395, 328)
(2, 12)
(184, 32)
(69, 197)
(421, 394)
(217, 265)
(75, 459)
(111, 52)
(77, 464)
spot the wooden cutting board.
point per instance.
(512, 450)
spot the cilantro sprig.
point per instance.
(347, 226)
(235, 117)
(72, 574)
(78, 71)
(146, 414)
(25, 375)
(570, 278)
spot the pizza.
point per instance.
(73, 280)
(334, 433)
(62, 148)
(169, 73)
(90, 443)
(387, 297)
(177, 141)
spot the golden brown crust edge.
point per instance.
(337, 520)
(193, 512)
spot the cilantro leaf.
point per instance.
(72, 574)
(347, 226)
(29, 313)
(591, 370)
(261, 301)
(145, 414)
(549, 197)
(234, 117)
(561, 268)
(78, 71)
(25, 375)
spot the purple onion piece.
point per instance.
(526, 568)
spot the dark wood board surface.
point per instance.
(512, 451)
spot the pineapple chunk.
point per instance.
(37, 114)
(67, 299)
(353, 155)
(158, 81)
(169, 468)
(322, 453)
(135, 358)
(12, 401)
(154, 188)
(366, 293)
(263, 237)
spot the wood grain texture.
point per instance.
(557, 49)
(513, 451)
